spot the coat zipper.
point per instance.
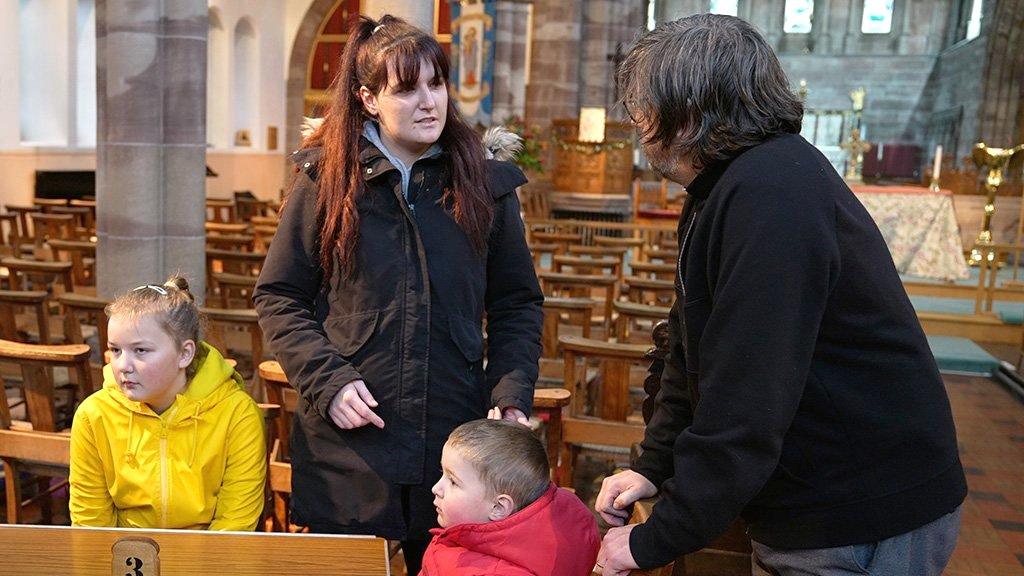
(165, 488)
(682, 250)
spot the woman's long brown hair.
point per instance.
(371, 48)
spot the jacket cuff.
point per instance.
(647, 466)
(322, 404)
(654, 546)
(511, 391)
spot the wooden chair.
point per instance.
(22, 212)
(562, 239)
(236, 242)
(12, 303)
(10, 241)
(538, 251)
(223, 325)
(83, 223)
(50, 227)
(81, 254)
(226, 228)
(220, 210)
(628, 313)
(579, 309)
(35, 449)
(609, 405)
(647, 291)
(28, 274)
(586, 265)
(582, 285)
(664, 255)
(81, 310)
(653, 270)
(262, 235)
(247, 207)
(234, 288)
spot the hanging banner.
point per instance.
(473, 58)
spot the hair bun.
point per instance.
(181, 284)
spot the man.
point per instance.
(799, 391)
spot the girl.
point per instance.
(172, 440)
(397, 238)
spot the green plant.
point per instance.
(530, 157)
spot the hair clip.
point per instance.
(159, 289)
(379, 26)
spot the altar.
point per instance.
(920, 228)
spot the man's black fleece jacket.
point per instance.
(821, 417)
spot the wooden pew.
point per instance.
(222, 323)
(581, 285)
(608, 425)
(32, 446)
(630, 312)
(580, 308)
(87, 551)
(81, 254)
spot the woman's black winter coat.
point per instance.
(408, 322)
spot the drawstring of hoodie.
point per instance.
(129, 455)
(195, 434)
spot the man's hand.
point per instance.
(618, 493)
(511, 414)
(351, 407)
(615, 559)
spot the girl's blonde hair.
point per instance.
(173, 306)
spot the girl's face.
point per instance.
(146, 363)
(410, 119)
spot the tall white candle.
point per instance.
(938, 163)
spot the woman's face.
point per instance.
(410, 120)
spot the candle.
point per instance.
(937, 164)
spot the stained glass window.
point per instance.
(798, 16)
(877, 17)
(728, 7)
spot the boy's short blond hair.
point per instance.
(507, 456)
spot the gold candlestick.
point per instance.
(995, 159)
(855, 148)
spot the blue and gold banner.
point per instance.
(473, 58)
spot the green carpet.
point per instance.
(1009, 312)
(961, 355)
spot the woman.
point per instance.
(397, 239)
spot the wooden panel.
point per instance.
(586, 431)
(86, 551)
(39, 446)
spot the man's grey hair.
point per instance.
(708, 84)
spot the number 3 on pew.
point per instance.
(135, 565)
(139, 554)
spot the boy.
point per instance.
(499, 512)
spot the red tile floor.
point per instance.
(990, 427)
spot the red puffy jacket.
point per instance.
(554, 536)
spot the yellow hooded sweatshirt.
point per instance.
(200, 465)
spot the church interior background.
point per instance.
(110, 110)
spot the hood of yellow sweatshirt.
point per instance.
(214, 380)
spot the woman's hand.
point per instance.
(512, 414)
(351, 407)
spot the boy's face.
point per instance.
(460, 496)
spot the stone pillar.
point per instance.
(151, 142)
(416, 12)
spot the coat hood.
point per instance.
(556, 536)
(214, 381)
